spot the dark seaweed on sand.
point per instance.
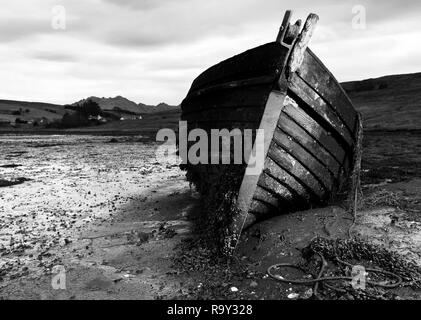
(7, 183)
(219, 192)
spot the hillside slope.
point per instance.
(388, 103)
(10, 110)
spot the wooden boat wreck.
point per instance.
(310, 126)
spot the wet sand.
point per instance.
(87, 204)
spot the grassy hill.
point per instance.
(118, 107)
(10, 110)
(388, 103)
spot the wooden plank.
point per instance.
(265, 204)
(261, 210)
(318, 105)
(265, 60)
(284, 26)
(319, 171)
(302, 176)
(297, 133)
(300, 46)
(278, 185)
(324, 83)
(249, 184)
(236, 97)
(244, 83)
(268, 124)
(286, 179)
(250, 114)
(267, 198)
(294, 111)
(222, 124)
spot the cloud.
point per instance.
(54, 56)
(140, 5)
(151, 50)
(18, 29)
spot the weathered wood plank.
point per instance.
(284, 26)
(300, 46)
(295, 112)
(244, 84)
(295, 169)
(318, 105)
(248, 185)
(249, 113)
(313, 71)
(319, 171)
(222, 124)
(277, 168)
(255, 96)
(265, 60)
(260, 209)
(287, 195)
(268, 198)
(309, 143)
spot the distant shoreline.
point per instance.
(80, 132)
(149, 133)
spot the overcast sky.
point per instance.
(151, 50)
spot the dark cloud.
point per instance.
(136, 40)
(387, 10)
(18, 28)
(141, 4)
(54, 56)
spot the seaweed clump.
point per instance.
(359, 250)
(218, 186)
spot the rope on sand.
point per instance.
(319, 278)
(355, 193)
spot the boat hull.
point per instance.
(311, 129)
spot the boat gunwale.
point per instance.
(247, 82)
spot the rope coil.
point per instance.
(321, 279)
(355, 191)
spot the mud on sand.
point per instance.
(118, 223)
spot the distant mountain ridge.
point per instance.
(122, 103)
(161, 107)
(112, 103)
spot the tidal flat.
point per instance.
(103, 210)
